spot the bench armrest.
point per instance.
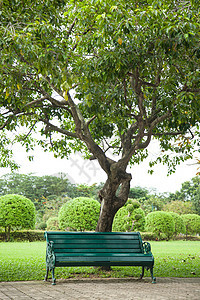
(146, 247)
(50, 256)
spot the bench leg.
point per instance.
(53, 278)
(153, 278)
(46, 276)
(142, 274)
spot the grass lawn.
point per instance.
(26, 261)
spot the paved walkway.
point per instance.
(103, 289)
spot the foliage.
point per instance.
(52, 206)
(153, 203)
(190, 191)
(79, 214)
(98, 76)
(26, 261)
(138, 192)
(129, 218)
(91, 191)
(179, 207)
(36, 188)
(196, 201)
(192, 223)
(48, 193)
(41, 226)
(53, 223)
(179, 224)
(160, 222)
(16, 211)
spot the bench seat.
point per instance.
(68, 249)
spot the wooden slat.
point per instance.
(88, 241)
(92, 235)
(103, 256)
(100, 250)
(119, 258)
(96, 246)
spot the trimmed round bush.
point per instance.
(192, 223)
(179, 223)
(16, 212)
(160, 222)
(129, 218)
(53, 223)
(79, 214)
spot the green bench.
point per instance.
(67, 249)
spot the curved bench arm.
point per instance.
(146, 247)
(50, 256)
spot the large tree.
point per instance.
(101, 77)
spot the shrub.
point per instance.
(192, 223)
(129, 218)
(79, 214)
(17, 212)
(41, 226)
(179, 223)
(52, 223)
(160, 222)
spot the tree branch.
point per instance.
(90, 121)
(57, 129)
(71, 27)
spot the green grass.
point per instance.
(26, 261)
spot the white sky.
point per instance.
(89, 172)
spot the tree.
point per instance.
(138, 192)
(37, 188)
(102, 78)
(189, 192)
(179, 207)
(16, 211)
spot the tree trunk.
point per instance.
(112, 198)
(7, 233)
(106, 217)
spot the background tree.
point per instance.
(189, 192)
(179, 207)
(99, 76)
(37, 187)
(138, 192)
(16, 212)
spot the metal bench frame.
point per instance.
(67, 249)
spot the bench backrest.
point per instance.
(95, 242)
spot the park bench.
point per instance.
(67, 249)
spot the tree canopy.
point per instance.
(101, 77)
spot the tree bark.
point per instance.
(113, 196)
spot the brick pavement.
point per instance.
(103, 289)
